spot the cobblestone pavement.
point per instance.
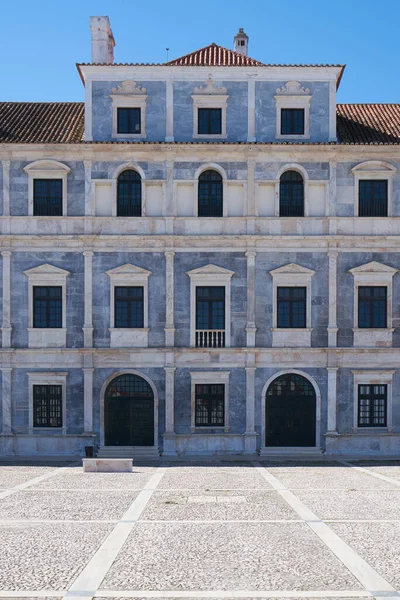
(201, 531)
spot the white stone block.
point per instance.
(107, 465)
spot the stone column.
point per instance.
(332, 400)
(6, 325)
(6, 188)
(250, 434)
(332, 325)
(251, 111)
(251, 299)
(88, 400)
(169, 298)
(169, 435)
(88, 324)
(170, 111)
(6, 399)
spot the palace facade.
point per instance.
(200, 258)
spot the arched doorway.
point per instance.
(290, 412)
(129, 412)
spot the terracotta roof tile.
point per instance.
(63, 123)
(368, 123)
(42, 122)
(214, 56)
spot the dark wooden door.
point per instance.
(129, 412)
(290, 412)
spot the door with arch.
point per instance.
(129, 412)
(290, 412)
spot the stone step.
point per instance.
(127, 452)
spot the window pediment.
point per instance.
(210, 269)
(292, 269)
(128, 88)
(46, 165)
(46, 270)
(292, 88)
(128, 269)
(210, 88)
(373, 268)
(374, 167)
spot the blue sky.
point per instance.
(43, 40)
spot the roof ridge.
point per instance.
(243, 58)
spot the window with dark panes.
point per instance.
(128, 307)
(291, 307)
(129, 194)
(372, 405)
(372, 307)
(373, 198)
(210, 307)
(47, 197)
(209, 121)
(128, 120)
(292, 121)
(47, 306)
(209, 405)
(47, 406)
(210, 194)
(291, 195)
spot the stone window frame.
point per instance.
(375, 170)
(43, 337)
(291, 275)
(292, 95)
(129, 95)
(213, 276)
(129, 275)
(47, 169)
(209, 377)
(210, 96)
(373, 377)
(48, 378)
(373, 274)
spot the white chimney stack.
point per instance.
(102, 40)
(241, 42)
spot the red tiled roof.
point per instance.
(42, 122)
(63, 122)
(214, 56)
(368, 123)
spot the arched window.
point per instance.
(129, 194)
(291, 195)
(210, 194)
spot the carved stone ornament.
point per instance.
(129, 87)
(293, 88)
(209, 88)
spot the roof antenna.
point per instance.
(167, 49)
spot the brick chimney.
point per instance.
(241, 42)
(102, 40)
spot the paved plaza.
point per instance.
(212, 530)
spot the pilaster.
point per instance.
(6, 325)
(6, 400)
(88, 111)
(169, 435)
(88, 324)
(169, 111)
(250, 442)
(251, 111)
(88, 399)
(251, 299)
(88, 188)
(169, 189)
(332, 400)
(332, 325)
(169, 298)
(6, 188)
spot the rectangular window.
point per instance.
(47, 406)
(372, 405)
(292, 121)
(291, 306)
(129, 307)
(47, 306)
(210, 121)
(373, 198)
(210, 307)
(47, 197)
(372, 307)
(210, 405)
(128, 120)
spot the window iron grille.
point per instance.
(47, 197)
(129, 194)
(372, 405)
(291, 195)
(210, 195)
(373, 198)
(209, 405)
(47, 406)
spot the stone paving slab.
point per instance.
(71, 479)
(241, 556)
(325, 477)
(388, 471)
(230, 479)
(46, 557)
(10, 478)
(217, 506)
(348, 504)
(54, 505)
(377, 543)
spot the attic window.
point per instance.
(128, 120)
